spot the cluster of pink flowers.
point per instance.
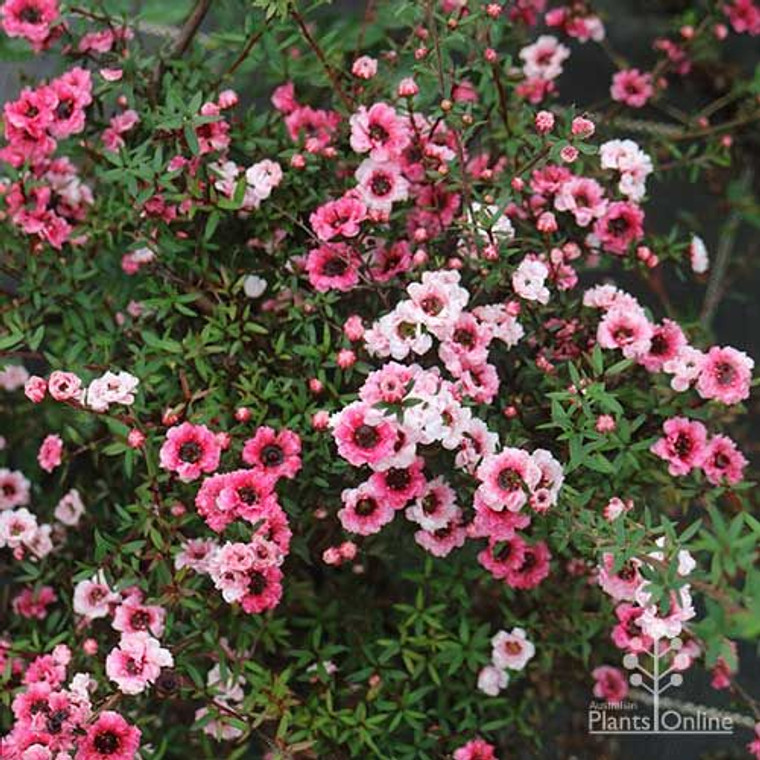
(576, 21)
(744, 16)
(56, 721)
(403, 408)
(248, 573)
(542, 64)
(48, 198)
(260, 180)
(642, 620)
(510, 651)
(20, 530)
(110, 388)
(722, 373)
(136, 662)
(686, 446)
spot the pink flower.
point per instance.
(666, 344)
(364, 67)
(584, 198)
(632, 87)
(364, 512)
(33, 603)
(379, 131)
(544, 122)
(622, 584)
(243, 493)
(133, 617)
(136, 662)
(512, 650)
(278, 454)
(397, 486)
(621, 225)
(626, 328)
(722, 461)
(190, 450)
(69, 509)
(92, 599)
(110, 737)
(64, 386)
(477, 749)
(683, 446)
(381, 184)
(506, 479)
(342, 217)
(544, 58)
(685, 367)
(627, 634)
(14, 489)
(284, 98)
(534, 568)
(363, 434)
(407, 88)
(609, 683)
(725, 375)
(435, 507)
(31, 19)
(333, 266)
(49, 454)
(441, 542)
(529, 278)
(35, 389)
(491, 680)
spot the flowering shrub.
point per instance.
(345, 409)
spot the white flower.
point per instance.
(491, 680)
(700, 259)
(111, 389)
(254, 286)
(512, 650)
(528, 280)
(70, 508)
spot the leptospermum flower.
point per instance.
(683, 446)
(49, 454)
(363, 434)
(491, 680)
(93, 598)
(512, 650)
(379, 131)
(190, 450)
(109, 737)
(278, 454)
(725, 374)
(137, 661)
(14, 489)
(477, 749)
(506, 479)
(363, 512)
(609, 683)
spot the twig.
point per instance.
(332, 76)
(725, 247)
(182, 42)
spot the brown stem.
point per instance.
(182, 43)
(332, 76)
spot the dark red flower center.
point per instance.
(107, 743)
(190, 451)
(365, 507)
(272, 455)
(366, 436)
